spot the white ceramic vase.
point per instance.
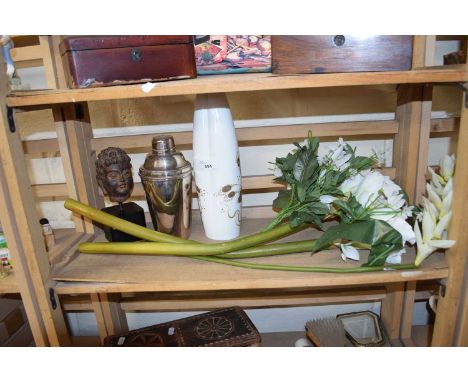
(217, 167)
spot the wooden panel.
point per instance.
(259, 183)
(9, 284)
(205, 301)
(59, 70)
(26, 244)
(250, 300)
(407, 314)
(74, 136)
(411, 144)
(59, 190)
(239, 83)
(263, 135)
(438, 125)
(49, 64)
(40, 146)
(452, 315)
(391, 310)
(110, 317)
(27, 53)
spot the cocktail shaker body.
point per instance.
(167, 180)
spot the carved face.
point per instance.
(117, 182)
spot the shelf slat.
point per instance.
(239, 83)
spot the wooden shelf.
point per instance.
(9, 284)
(89, 273)
(239, 83)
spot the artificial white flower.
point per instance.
(437, 182)
(368, 190)
(327, 199)
(437, 212)
(395, 257)
(350, 185)
(446, 205)
(403, 228)
(384, 200)
(433, 197)
(277, 172)
(427, 205)
(441, 226)
(428, 224)
(349, 252)
(336, 156)
(448, 188)
(447, 166)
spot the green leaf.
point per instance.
(301, 192)
(282, 200)
(361, 163)
(382, 237)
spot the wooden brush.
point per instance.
(327, 332)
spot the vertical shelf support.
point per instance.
(74, 133)
(410, 156)
(110, 317)
(451, 326)
(20, 222)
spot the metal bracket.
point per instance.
(11, 119)
(53, 301)
(79, 113)
(442, 287)
(464, 87)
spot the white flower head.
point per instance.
(277, 172)
(350, 185)
(327, 199)
(395, 257)
(433, 197)
(404, 229)
(447, 166)
(349, 252)
(337, 156)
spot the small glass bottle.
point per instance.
(48, 233)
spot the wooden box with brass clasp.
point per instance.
(340, 53)
(92, 61)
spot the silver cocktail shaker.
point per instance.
(167, 179)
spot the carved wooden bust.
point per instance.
(114, 174)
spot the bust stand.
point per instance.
(131, 212)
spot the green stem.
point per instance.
(188, 249)
(271, 250)
(120, 224)
(161, 241)
(274, 267)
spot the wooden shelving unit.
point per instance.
(46, 278)
(239, 83)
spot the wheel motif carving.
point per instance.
(214, 328)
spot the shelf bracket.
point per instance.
(53, 301)
(79, 112)
(11, 119)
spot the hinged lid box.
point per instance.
(340, 53)
(91, 61)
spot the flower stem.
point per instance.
(274, 267)
(187, 249)
(121, 224)
(168, 244)
(271, 250)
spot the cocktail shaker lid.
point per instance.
(164, 161)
